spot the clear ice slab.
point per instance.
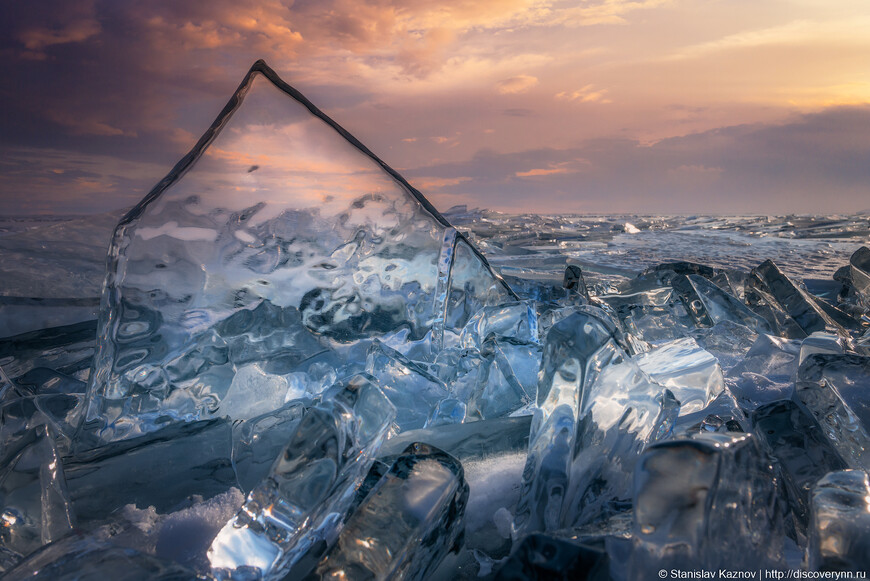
(75, 559)
(406, 525)
(836, 389)
(792, 436)
(839, 534)
(277, 215)
(787, 307)
(595, 411)
(706, 502)
(691, 373)
(311, 485)
(33, 495)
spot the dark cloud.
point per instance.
(817, 163)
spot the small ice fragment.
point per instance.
(793, 437)
(406, 525)
(692, 374)
(311, 485)
(836, 389)
(705, 502)
(839, 534)
(414, 391)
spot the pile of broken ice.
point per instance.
(302, 371)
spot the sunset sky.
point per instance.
(598, 106)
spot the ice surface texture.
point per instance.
(279, 234)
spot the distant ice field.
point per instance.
(53, 266)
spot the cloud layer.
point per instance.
(610, 105)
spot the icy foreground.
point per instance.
(302, 370)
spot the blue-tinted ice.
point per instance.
(281, 272)
(311, 485)
(278, 235)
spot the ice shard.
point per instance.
(820, 342)
(766, 373)
(719, 305)
(706, 502)
(258, 441)
(33, 496)
(407, 524)
(836, 389)
(654, 315)
(574, 281)
(508, 377)
(839, 534)
(279, 234)
(692, 374)
(311, 485)
(415, 392)
(595, 411)
(76, 559)
(727, 341)
(789, 307)
(517, 321)
(859, 266)
(568, 361)
(720, 415)
(793, 437)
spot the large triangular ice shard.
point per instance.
(279, 215)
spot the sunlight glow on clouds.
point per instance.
(485, 102)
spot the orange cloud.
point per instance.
(517, 84)
(587, 94)
(425, 184)
(564, 167)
